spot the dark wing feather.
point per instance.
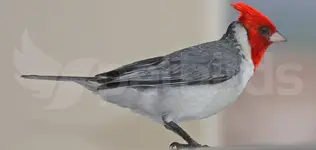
(208, 63)
(133, 66)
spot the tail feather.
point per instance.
(88, 82)
(59, 78)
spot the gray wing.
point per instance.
(207, 63)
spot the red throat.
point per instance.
(258, 49)
(252, 19)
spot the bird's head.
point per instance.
(261, 30)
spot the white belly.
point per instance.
(180, 103)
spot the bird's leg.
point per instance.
(179, 131)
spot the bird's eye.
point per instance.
(265, 31)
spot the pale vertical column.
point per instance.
(215, 26)
(94, 37)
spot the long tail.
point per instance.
(59, 78)
(88, 82)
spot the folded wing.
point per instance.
(207, 63)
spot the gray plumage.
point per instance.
(211, 62)
(206, 63)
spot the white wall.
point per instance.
(71, 37)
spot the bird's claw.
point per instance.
(177, 146)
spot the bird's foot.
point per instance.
(177, 146)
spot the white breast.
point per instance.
(198, 102)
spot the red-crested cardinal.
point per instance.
(192, 83)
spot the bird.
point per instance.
(192, 83)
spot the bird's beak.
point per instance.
(277, 37)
